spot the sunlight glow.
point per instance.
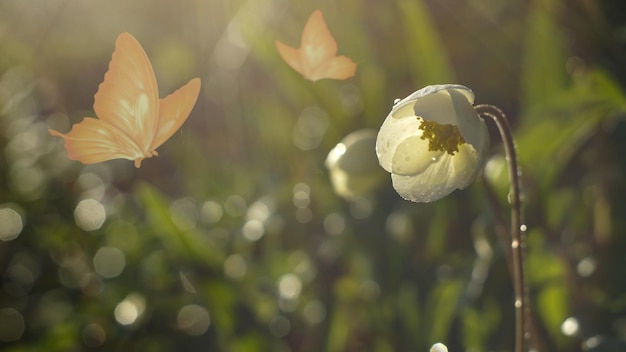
(253, 230)
(280, 326)
(12, 326)
(184, 213)
(211, 212)
(289, 286)
(261, 209)
(304, 215)
(314, 312)
(109, 262)
(570, 326)
(10, 224)
(89, 214)
(128, 311)
(301, 195)
(26, 178)
(18, 280)
(93, 335)
(310, 128)
(235, 266)
(334, 224)
(399, 226)
(235, 205)
(93, 185)
(361, 208)
(193, 319)
(586, 267)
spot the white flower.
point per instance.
(439, 347)
(433, 142)
(352, 164)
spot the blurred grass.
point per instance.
(237, 215)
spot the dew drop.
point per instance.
(586, 267)
(523, 228)
(570, 326)
(515, 244)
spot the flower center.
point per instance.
(446, 138)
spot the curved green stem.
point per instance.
(522, 331)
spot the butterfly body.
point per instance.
(132, 121)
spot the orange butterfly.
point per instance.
(133, 121)
(317, 56)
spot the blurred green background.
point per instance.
(232, 239)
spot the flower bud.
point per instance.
(352, 164)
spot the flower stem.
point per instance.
(522, 331)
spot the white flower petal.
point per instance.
(471, 126)
(412, 156)
(437, 107)
(449, 173)
(428, 186)
(466, 165)
(428, 90)
(393, 131)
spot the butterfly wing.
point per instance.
(317, 43)
(128, 97)
(338, 67)
(319, 51)
(174, 110)
(290, 55)
(93, 141)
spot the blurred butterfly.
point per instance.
(132, 121)
(317, 56)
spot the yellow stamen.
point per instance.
(441, 137)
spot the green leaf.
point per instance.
(552, 305)
(428, 60)
(551, 134)
(188, 242)
(441, 308)
(543, 65)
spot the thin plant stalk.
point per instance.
(522, 332)
(537, 341)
